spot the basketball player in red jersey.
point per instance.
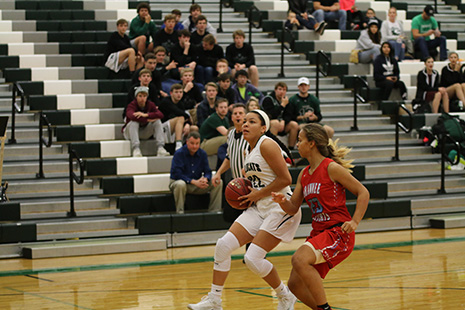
(322, 184)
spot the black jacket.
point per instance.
(423, 86)
(450, 77)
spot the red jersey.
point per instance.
(326, 199)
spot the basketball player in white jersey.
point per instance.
(264, 223)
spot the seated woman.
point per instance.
(428, 87)
(392, 31)
(452, 79)
(386, 72)
(369, 43)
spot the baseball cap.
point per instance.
(141, 89)
(372, 21)
(429, 10)
(303, 80)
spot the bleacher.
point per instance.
(54, 49)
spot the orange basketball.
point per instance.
(236, 188)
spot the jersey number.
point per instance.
(256, 182)
(316, 206)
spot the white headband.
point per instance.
(265, 118)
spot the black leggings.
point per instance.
(388, 85)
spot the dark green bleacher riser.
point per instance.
(12, 75)
(117, 185)
(160, 203)
(358, 172)
(49, 102)
(79, 36)
(58, 117)
(384, 209)
(10, 211)
(70, 133)
(101, 167)
(50, 15)
(49, 5)
(82, 48)
(418, 120)
(79, 60)
(13, 233)
(74, 25)
(87, 149)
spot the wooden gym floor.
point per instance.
(414, 269)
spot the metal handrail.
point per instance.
(444, 157)
(401, 126)
(320, 69)
(289, 48)
(43, 121)
(358, 96)
(226, 4)
(73, 177)
(253, 9)
(17, 89)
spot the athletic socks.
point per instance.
(217, 290)
(324, 307)
(281, 290)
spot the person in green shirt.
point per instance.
(304, 108)
(423, 26)
(142, 28)
(214, 130)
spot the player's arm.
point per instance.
(271, 152)
(222, 169)
(291, 206)
(339, 174)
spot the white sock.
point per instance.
(281, 290)
(217, 290)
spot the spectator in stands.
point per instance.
(178, 25)
(423, 26)
(184, 53)
(143, 120)
(209, 55)
(224, 89)
(167, 73)
(304, 108)
(191, 174)
(235, 156)
(428, 89)
(151, 65)
(243, 89)
(167, 37)
(369, 43)
(207, 106)
(386, 72)
(369, 15)
(354, 15)
(214, 129)
(252, 104)
(142, 29)
(176, 121)
(192, 93)
(392, 31)
(452, 79)
(300, 16)
(329, 10)
(119, 53)
(241, 56)
(274, 104)
(222, 66)
(189, 24)
(200, 31)
(145, 79)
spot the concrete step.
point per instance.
(450, 221)
(346, 122)
(94, 247)
(28, 168)
(438, 204)
(46, 186)
(403, 170)
(357, 137)
(81, 225)
(383, 154)
(30, 151)
(89, 234)
(425, 186)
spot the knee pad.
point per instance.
(224, 247)
(256, 262)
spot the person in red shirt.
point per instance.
(322, 184)
(142, 121)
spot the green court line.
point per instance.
(48, 298)
(11, 273)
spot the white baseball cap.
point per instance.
(303, 80)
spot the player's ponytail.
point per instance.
(326, 146)
(281, 145)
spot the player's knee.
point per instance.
(224, 247)
(255, 260)
(297, 262)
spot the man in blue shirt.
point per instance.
(191, 174)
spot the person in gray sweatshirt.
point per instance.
(369, 43)
(392, 31)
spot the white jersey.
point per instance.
(260, 174)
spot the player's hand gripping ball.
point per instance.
(236, 188)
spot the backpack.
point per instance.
(452, 125)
